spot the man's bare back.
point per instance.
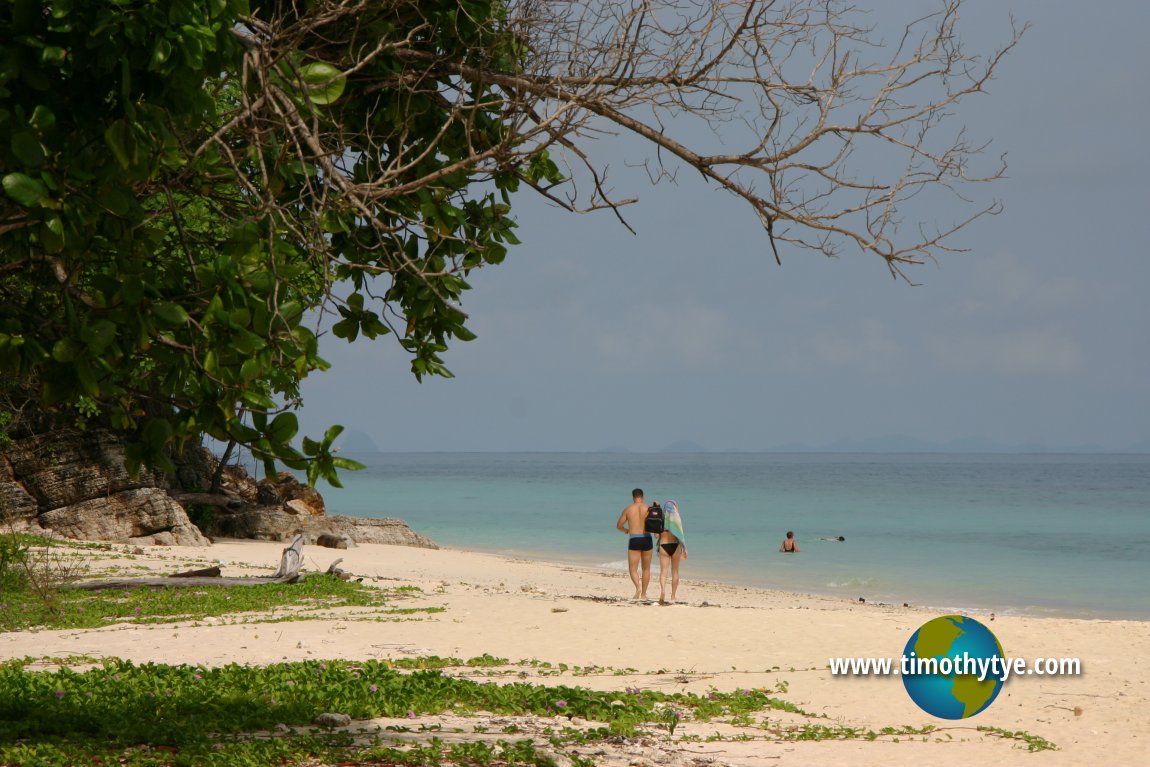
(634, 517)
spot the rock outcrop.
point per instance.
(270, 524)
(74, 484)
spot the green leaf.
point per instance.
(330, 435)
(65, 350)
(283, 427)
(119, 139)
(324, 82)
(43, 118)
(160, 53)
(257, 399)
(25, 190)
(26, 147)
(157, 433)
(171, 314)
(53, 55)
(250, 370)
(99, 335)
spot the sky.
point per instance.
(592, 338)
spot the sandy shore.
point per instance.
(723, 636)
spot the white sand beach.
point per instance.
(721, 636)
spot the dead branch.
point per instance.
(287, 572)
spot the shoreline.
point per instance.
(1031, 611)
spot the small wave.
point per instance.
(620, 564)
(853, 583)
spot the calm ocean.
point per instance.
(1057, 534)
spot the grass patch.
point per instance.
(23, 609)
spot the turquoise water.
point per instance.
(1061, 534)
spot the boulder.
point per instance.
(300, 506)
(327, 540)
(284, 489)
(389, 530)
(143, 515)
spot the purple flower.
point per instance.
(197, 677)
(137, 611)
(373, 688)
(59, 694)
(323, 667)
(410, 714)
(560, 704)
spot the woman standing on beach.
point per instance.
(672, 549)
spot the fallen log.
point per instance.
(207, 572)
(288, 572)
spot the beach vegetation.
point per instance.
(114, 711)
(145, 714)
(1031, 741)
(189, 187)
(315, 597)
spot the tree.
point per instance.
(192, 186)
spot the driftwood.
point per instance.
(287, 572)
(207, 572)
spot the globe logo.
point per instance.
(942, 664)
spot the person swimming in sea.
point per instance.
(789, 546)
(672, 550)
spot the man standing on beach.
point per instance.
(632, 521)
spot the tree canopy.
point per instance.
(192, 188)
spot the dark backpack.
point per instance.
(654, 521)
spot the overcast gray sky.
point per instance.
(592, 338)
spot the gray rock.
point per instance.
(300, 506)
(389, 530)
(332, 720)
(330, 541)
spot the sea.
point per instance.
(1049, 534)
